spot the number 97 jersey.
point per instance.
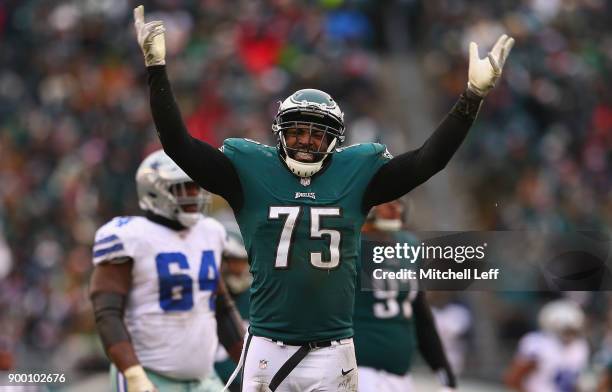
(383, 318)
(170, 306)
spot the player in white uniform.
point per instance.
(156, 286)
(551, 359)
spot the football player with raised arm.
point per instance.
(155, 289)
(392, 318)
(300, 206)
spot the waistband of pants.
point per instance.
(311, 345)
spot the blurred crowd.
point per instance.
(543, 156)
(546, 132)
(75, 121)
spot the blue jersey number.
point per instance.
(566, 380)
(176, 289)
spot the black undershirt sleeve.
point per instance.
(408, 170)
(429, 342)
(205, 164)
(229, 323)
(108, 310)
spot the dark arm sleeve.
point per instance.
(229, 325)
(408, 170)
(205, 164)
(108, 310)
(429, 342)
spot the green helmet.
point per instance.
(309, 110)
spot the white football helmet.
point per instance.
(561, 315)
(309, 109)
(162, 189)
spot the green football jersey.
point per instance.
(385, 334)
(302, 237)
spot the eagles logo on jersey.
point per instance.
(302, 251)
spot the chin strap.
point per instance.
(305, 169)
(162, 220)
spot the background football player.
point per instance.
(552, 358)
(392, 318)
(156, 285)
(454, 322)
(300, 206)
(237, 279)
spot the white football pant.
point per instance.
(332, 368)
(374, 380)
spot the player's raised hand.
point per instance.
(150, 38)
(484, 73)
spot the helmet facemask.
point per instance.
(166, 190)
(190, 202)
(314, 124)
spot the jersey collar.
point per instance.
(162, 220)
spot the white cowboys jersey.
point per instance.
(170, 307)
(557, 365)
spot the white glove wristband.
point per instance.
(137, 380)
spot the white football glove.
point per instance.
(137, 380)
(150, 38)
(483, 73)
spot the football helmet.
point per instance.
(390, 216)
(310, 111)
(163, 189)
(561, 315)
